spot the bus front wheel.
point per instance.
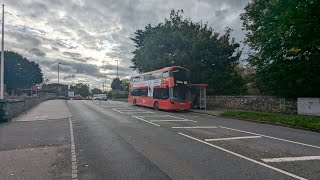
(156, 106)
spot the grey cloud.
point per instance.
(37, 52)
(71, 54)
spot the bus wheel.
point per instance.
(134, 102)
(156, 106)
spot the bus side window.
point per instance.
(158, 75)
(144, 92)
(136, 92)
(147, 77)
(166, 74)
(161, 93)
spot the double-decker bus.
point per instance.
(166, 89)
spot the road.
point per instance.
(114, 140)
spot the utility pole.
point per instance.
(2, 56)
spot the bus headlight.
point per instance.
(171, 101)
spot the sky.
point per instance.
(88, 36)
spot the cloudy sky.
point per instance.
(87, 36)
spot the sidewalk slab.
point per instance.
(209, 112)
(52, 109)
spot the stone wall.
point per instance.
(11, 108)
(253, 103)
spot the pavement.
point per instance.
(115, 140)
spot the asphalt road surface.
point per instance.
(114, 140)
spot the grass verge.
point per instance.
(120, 99)
(294, 121)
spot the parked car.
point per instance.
(100, 97)
(78, 97)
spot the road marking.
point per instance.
(153, 116)
(127, 110)
(303, 144)
(173, 120)
(139, 112)
(118, 111)
(195, 127)
(233, 138)
(146, 121)
(74, 167)
(289, 159)
(246, 158)
(118, 107)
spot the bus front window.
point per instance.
(181, 89)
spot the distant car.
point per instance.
(78, 97)
(100, 97)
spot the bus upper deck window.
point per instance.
(166, 74)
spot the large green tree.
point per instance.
(96, 91)
(285, 39)
(116, 84)
(210, 56)
(82, 89)
(19, 72)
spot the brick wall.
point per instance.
(253, 103)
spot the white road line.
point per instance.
(233, 138)
(246, 158)
(290, 159)
(173, 120)
(140, 112)
(74, 167)
(118, 111)
(146, 121)
(175, 117)
(195, 127)
(153, 116)
(303, 144)
(127, 110)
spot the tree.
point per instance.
(82, 89)
(96, 91)
(116, 84)
(20, 72)
(210, 56)
(125, 84)
(285, 41)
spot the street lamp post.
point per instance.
(58, 72)
(105, 83)
(117, 67)
(2, 56)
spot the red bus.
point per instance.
(167, 89)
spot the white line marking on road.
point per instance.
(175, 117)
(153, 116)
(130, 110)
(290, 159)
(146, 121)
(74, 167)
(303, 144)
(246, 158)
(195, 127)
(118, 111)
(140, 112)
(233, 138)
(173, 120)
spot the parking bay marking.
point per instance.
(146, 121)
(290, 159)
(244, 157)
(233, 138)
(195, 127)
(303, 144)
(173, 120)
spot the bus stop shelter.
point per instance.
(199, 96)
